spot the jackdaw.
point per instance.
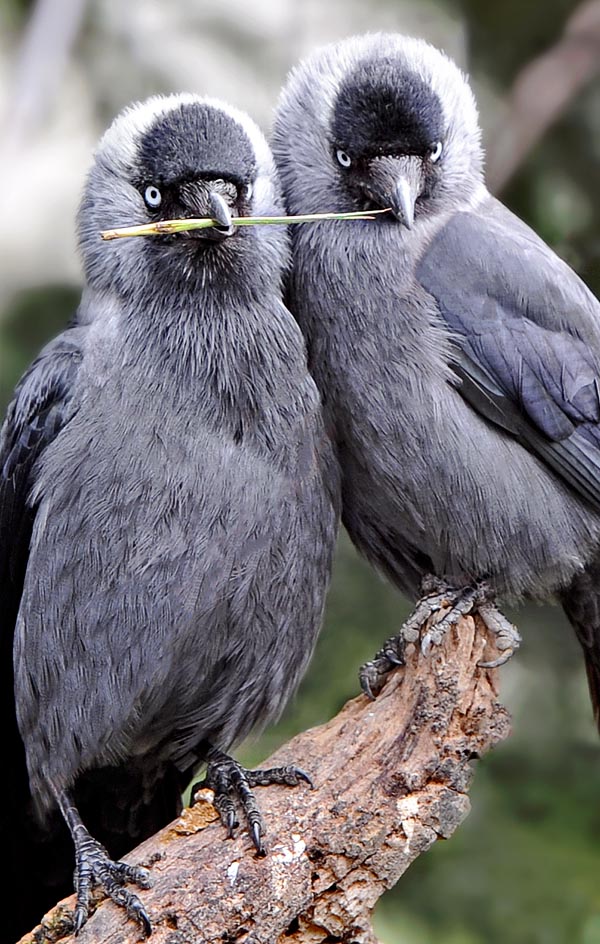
(168, 508)
(458, 357)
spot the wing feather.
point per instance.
(42, 404)
(527, 332)
(43, 401)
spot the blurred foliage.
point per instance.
(524, 868)
(33, 319)
(503, 37)
(15, 11)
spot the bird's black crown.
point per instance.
(382, 109)
(196, 140)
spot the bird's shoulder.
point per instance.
(488, 252)
(42, 401)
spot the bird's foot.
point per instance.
(232, 785)
(372, 674)
(440, 607)
(95, 867)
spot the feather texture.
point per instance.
(168, 501)
(458, 357)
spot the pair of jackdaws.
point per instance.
(172, 469)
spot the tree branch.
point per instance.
(391, 777)
(543, 90)
(49, 36)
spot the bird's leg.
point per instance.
(93, 866)
(440, 607)
(232, 784)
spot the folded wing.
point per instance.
(527, 334)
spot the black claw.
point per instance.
(233, 783)
(79, 918)
(393, 657)
(304, 776)
(231, 824)
(111, 876)
(367, 690)
(365, 681)
(256, 833)
(145, 922)
(372, 675)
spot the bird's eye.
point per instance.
(436, 152)
(247, 191)
(152, 196)
(344, 159)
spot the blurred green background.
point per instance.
(525, 866)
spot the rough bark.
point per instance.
(391, 777)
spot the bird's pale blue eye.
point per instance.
(436, 152)
(343, 159)
(247, 191)
(153, 196)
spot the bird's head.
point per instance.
(378, 121)
(178, 157)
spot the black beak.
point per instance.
(220, 213)
(201, 198)
(402, 202)
(395, 182)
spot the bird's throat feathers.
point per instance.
(221, 356)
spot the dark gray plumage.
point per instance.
(457, 355)
(167, 496)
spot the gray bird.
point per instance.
(457, 356)
(168, 503)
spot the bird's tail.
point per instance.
(121, 806)
(592, 666)
(40, 859)
(581, 603)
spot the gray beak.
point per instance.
(402, 202)
(220, 213)
(202, 198)
(396, 182)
